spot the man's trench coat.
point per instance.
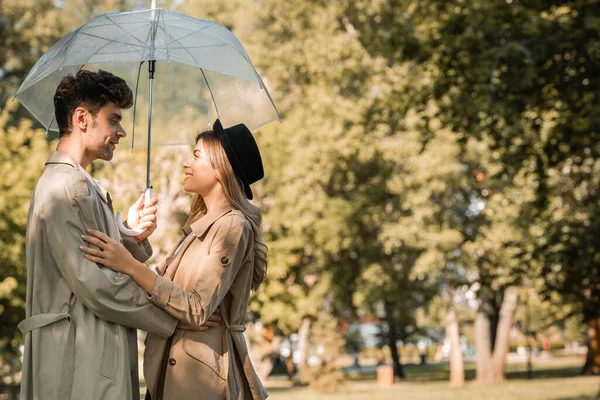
(81, 340)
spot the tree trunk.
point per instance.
(490, 356)
(592, 362)
(392, 339)
(303, 344)
(457, 370)
(483, 348)
(507, 311)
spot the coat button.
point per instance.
(172, 361)
(224, 260)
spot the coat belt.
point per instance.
(235, 328)
(231, 379)
(41, 320)
(44, 319)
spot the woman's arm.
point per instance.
(142, 275)
(115, 256)
(217, 272)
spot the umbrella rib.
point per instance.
(174, 24)
(269, 96)
(201, 70)
(91, 55)
(113, 41)
(75, 32)
(210, 91)
(101, 25)
(189, 34)
(195, 20)
(164, 28)
(198, 47)
(127, 33)
(216, 38)
(130, 14)
(210, 25)
(70, 47)
(137, 84)
(186, 49)
(111, 52)
(147, 39)
(36, 78)
(96, 52)
(236, 50)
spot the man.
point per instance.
(81, 340)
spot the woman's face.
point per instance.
(200, 177)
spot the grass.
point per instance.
(554, 379)
(555, 367)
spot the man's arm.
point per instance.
(111, 296)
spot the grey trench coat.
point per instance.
(81, 340)
(212, 267)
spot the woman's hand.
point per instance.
(111, 253)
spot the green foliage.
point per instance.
(425, 145)
(523, 77)
(23, 152)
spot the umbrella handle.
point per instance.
(133, 232)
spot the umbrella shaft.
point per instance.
(151, 69)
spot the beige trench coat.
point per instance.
(211, 268)
(81, 340)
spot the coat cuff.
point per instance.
(161, 292)
(140, 251)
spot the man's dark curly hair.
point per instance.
(92, 90)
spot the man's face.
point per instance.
(104, 132)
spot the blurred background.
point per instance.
(430, 202)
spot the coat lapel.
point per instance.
(171, 263)
(58, 157)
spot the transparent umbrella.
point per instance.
(194, 70)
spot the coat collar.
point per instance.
(58, 157)
(202, 225)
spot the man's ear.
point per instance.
(80, 118)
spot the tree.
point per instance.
(522, 77)
(532, 83)
(23, 151)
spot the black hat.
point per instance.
(242, 153)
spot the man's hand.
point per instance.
(142, 216)
(211, 322)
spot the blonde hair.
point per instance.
(234, 193)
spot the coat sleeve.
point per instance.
(217, 272)
(109, 295)
(140, 251)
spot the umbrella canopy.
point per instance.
(202, 70)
